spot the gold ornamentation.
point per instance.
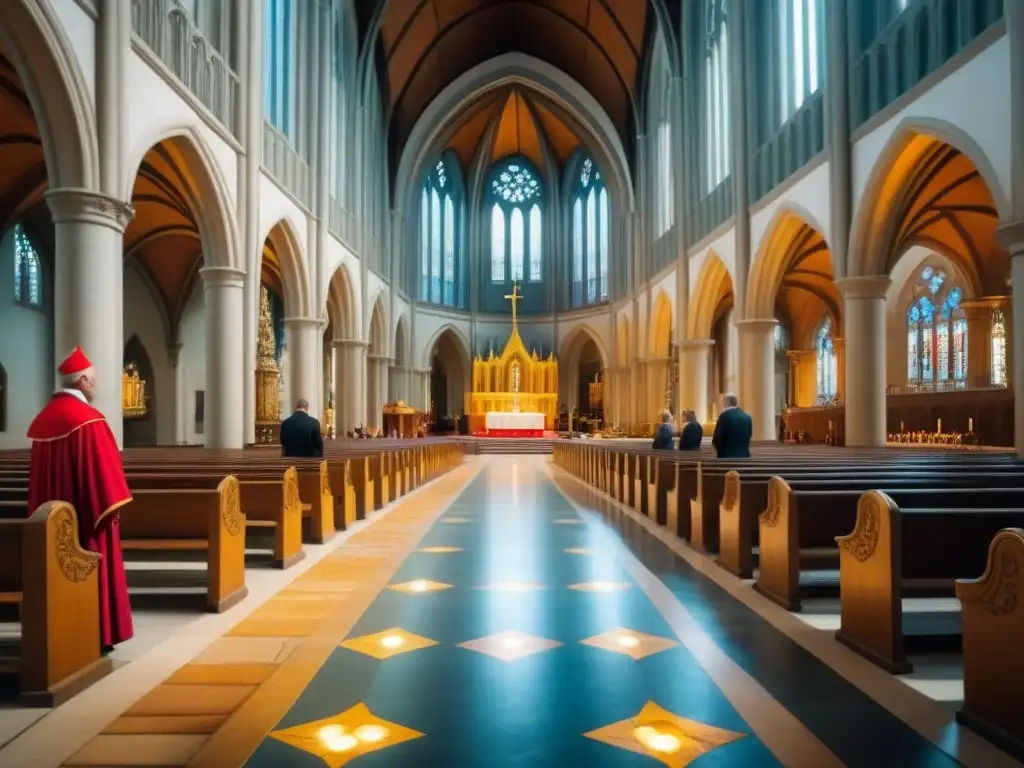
(771, 514)
(268, 408)
(230, 510)
(864, 539)
(133, 392)
(292, 502)
(1000, 580)
(74, 567)
(732, 489)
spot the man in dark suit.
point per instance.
(692, 434)
(300, 434)
(663, 434)
(733, 431)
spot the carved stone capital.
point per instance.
(868, 287)
(349, 343)
(1011, 237)
(688, 345)
(173, 352)
(756, 326)
(83, 205)
(222, 277)
(304, 322)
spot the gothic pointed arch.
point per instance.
(283, 266)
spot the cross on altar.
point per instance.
(514, 297)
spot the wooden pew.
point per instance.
(993, 625)
(55, 584)
(892, 543)
(193, 520)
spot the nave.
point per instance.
(506, 615)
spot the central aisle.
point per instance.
(512, 636)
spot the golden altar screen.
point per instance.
(517, 380)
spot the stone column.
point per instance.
(693, 390)
(304, 349)
(372, 412)
(837, 108)
(179, 403)
(225, 372)
(348, 384)
(88, 290)
(738, 126)
(757, 375)
(1011, 237)
(864, 310)
(839, 346)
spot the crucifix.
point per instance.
(514, 297)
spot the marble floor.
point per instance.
(503, 615)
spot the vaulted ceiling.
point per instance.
(426, 44)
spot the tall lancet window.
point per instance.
(828, 373)
(717, 151)
(439, 225)
(279, 65)
(515, 196)
(590, 227)
(998, 349)
(800, 53)
(936, 333)
(28, 289)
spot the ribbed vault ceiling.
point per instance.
(426, 44)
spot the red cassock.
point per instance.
(75, 459)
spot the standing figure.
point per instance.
(75, 459)
(692, 434)
(732, 431)
(663, 432)
(300, 434)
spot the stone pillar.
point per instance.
(864, 310)
(88, 290)
(304, 349)
(225, 373)
(693, 392)
(1011, 237)
(348, 383)
(179, 403)
(372, 412)
(739, 142)
(837, 110)
(803, 377)
(757, 375)
(839, 346)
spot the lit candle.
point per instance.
(939, 428)
(970, 425)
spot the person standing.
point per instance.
(663, 433)
(300, 434)
(692, 434)
(75, 459)
(733, 431)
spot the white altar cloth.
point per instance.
(498, 420)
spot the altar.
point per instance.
(502, 424)
(514, 394)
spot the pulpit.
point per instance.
(515, 393)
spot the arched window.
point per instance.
(438, 243)
(279, 65)
(28, 289)
(936, 333)
(717, 153)
(665, 206)
(590, 236)
(828, 369)
(800, 52)
(515, 193)
(998, 349)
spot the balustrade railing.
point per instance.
(341, 223)
(286, 165)
(928, 387)
(167, 29)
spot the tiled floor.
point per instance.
(502, 616)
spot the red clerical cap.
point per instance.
(76, 362)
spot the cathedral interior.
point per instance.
(493, 247)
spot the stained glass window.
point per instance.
(516, 242)
(937, 334)
(425, 244)
(577, 251)
(535, 244)
(800, 52)
(590, 232)
(517, 191)
(449, 250)
(279, 65)
(435, 245)
(960, 349)
(665, 203)
(913, 356)
(827, 365)
(998, 349)
(716, 94)
(497, 244)
(942, 341)
(28, 289)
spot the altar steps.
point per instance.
(520, 446)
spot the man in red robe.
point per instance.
(75, 459)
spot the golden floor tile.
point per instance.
(456, 520)
(636, 645)
(579, 551)
(568, 521)
(222, 674)
(274, 626)
(601, 586)
(334, 587)
(439, 550)
(510, 645)
(283, 608)
(388, 643)
(244, 650)
(136, 750)
(657, 733)
(419, 586)
(182, 724)
(513, 586)
(345, 736)
(175, 700)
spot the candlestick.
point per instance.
(970, 425)
(939, 428)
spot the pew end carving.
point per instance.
(993, 624)
(779, 566)
(731, 539)
(870, 574)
